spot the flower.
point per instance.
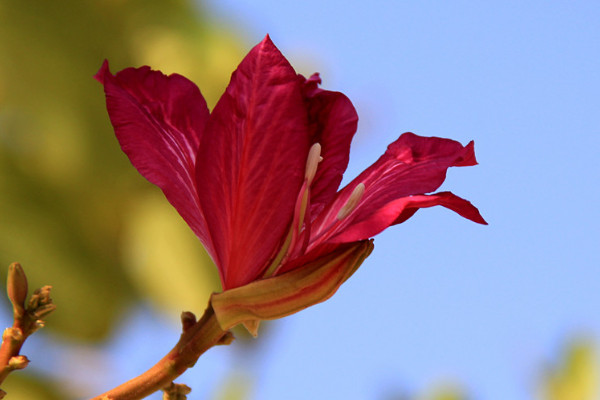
(257, 178)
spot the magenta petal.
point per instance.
(332, 123)
(400, 210)
(251, 163)
(412, 165)
(449, 200)
(158, 121)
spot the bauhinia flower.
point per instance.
(257, 178)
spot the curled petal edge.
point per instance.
(290, 292)
(399, 210)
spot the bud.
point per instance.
(227, 339)
(40, 297)
(188, 319)
(18, 362)
(44, 310)
(16, 287)
(13, 334)
(176, 391)
(37, 325)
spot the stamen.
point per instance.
(282, 252)
(352, 202)
(312, 162)
(302, 204)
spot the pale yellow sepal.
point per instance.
(252, 326)
(290, 292)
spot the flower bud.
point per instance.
(43, 311)
(12, 334)
(39, 299)
(188, 319)
(18, 362)
(16, 287)
(37, 325)
(176, 391)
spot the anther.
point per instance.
(312, 162)
(352, 202)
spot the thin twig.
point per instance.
(197, 337)
(27, 320)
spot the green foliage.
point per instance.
(436, 392)
(237, 387)
(72, 209)
(26, 387)
(446, 393)
(576, 377)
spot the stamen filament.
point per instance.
(351, 204)
(312, 162)
(282, 252)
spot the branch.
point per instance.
(197, 337)
(27, 320)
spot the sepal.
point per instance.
(293, 291)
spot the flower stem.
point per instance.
(194, 341)
(12, 341)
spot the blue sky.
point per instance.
(442, 298)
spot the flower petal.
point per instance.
(291, 292)
(332, 123)
(400, 210)
(159, 121)
(412, 165)
(251, 163)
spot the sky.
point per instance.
(441, 299)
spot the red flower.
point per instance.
(257, 179)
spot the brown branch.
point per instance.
(197, 337)
(27, 320)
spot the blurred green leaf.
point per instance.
(576, 377)
(163, 258)
(236, 387)
(445, 391)
(25, 386)
(69, 195)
